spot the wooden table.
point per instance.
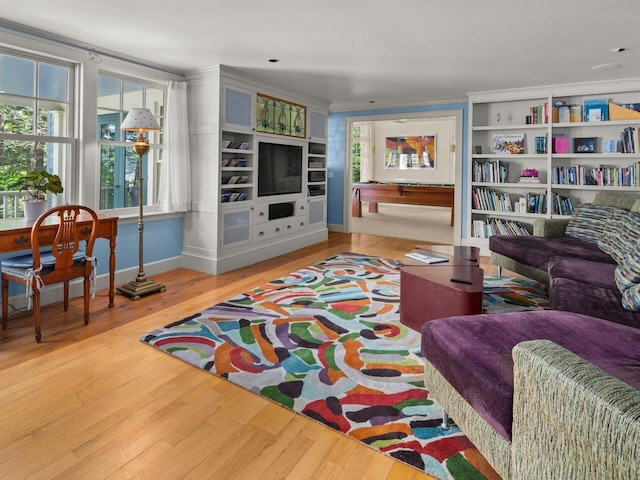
(15, 235)
(427, 292)
(374, 193)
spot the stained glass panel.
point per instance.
(280, 117)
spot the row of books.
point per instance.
(231, 196)
(235, 145)
(499, 226)
(630, 140)
(560, 205)
(602, 176)
(490, 172)
(539, 114)
(234, 179)
(487, 199)
(234, 162)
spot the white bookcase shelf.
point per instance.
(512, 112)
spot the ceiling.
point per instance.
(357, 53)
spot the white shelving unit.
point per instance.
(230, 225)
(504, 113)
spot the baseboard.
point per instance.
(239, 259)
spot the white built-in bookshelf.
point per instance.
(539, 153)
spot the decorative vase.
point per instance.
(32, 210)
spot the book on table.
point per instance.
(427, 257)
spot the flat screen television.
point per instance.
(279, 169)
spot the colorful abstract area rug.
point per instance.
(504, 294)
(326, 342)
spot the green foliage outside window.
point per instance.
(355, 155)
(18, 157)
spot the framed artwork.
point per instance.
(410, 152)
(584, 145)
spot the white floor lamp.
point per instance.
(140, 119)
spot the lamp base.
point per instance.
(135, 289)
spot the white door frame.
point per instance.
(349, 121)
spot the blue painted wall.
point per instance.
(162, 240)
(337, 145)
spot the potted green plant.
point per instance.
(37, 184)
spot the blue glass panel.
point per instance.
(109, 92)
(52, 82)
(17, 75)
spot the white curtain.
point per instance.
(174, 192)
(367, 151)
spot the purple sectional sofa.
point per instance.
(553, 393)
(566, 405)
(583, 258)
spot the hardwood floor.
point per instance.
(93, 402)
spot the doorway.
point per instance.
(373, 153)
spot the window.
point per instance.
(118, 163)
(36, 123)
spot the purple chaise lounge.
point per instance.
(566, 405)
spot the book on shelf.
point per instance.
(562, 205)
(486, 199)
(490, 172)
(234, 179)
(629, 140)
(540, 114)
(499, 226)
(427, 257)
(529, 175)
(536, 203)
(541, 144)
(560, 143)
(575, 113)
(596, 110)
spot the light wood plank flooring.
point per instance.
(93, 402)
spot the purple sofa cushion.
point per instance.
(473, 353)
(537, 251)
(584, 297)
(597, 274)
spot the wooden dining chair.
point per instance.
(66, 260)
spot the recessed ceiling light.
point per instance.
(617, 50)
(274, 60)
(605, 66)
(372, 101)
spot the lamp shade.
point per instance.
(139, 119)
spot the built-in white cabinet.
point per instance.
(234, 222)
(236, 226)
(317, 125)
(539, 153)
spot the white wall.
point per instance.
(444, 128)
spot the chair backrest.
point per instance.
(64, 228)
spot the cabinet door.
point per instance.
(239, 108)
(317, 125)
(316, 212)
(236, 227)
